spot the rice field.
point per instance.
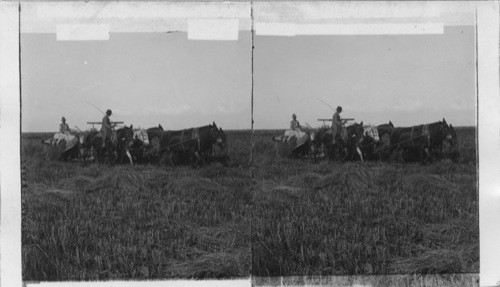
(276, 217)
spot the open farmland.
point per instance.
(99, 222)
(278, 217)
(322, 218)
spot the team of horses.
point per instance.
(193, 146)
(421, 143)
(197, 146)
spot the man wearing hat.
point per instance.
(336, 122)
(294, 124)
(106, 127)
(64, 127)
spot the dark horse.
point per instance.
(219, 149)
(117, 147)
(422, 142)
(355, 134)
(377, 149)
(412, 142)
(346, 143)
(385, 129)
(450, 146)
(155, 132)
(443, 140)
(195, 144)
(153, 151)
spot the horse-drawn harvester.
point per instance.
(62, 145)
(304, 142)
(154, 145)
(292, 143)
(357, 142)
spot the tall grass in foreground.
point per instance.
(103, 222)
(277, 217)
(314, 218)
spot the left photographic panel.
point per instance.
(135, 141)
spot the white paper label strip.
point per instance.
(310, 10)
(108, 10)
(213, 29)
(10, 170)
(290, 29)
(82, 32)
(489, 142)
(274, 29)
(152, 283)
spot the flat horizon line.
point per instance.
(228, 130)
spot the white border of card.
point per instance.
(223, 21)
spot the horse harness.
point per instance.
(195, 135)
(448, 137)
(425, 133)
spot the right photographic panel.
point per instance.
(364, 142)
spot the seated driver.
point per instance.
(294, 124)
(64, 127)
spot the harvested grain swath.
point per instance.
(323, 218)
(128, 222)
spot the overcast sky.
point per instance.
(153, 78)
(409, 80)
(145, 78)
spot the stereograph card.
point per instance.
(249, 143)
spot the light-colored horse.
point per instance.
(140, 138)
(141, 135)
(372, 132)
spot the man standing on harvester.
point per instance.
(106, 127)
(336, 123)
